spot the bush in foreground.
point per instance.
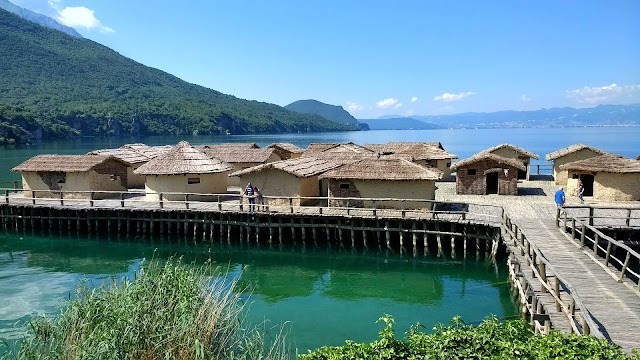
(168, 311)
(489, 340)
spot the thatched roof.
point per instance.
(609, 163)
(571, 149)
(384, 169)
(287, 147)
(483, 156)
(230, 145)
(301, 167)
(514, 148)
(63, 163)
(638, 158)
(425, 151)
(346, 153)
(239, 155)
(133, 153)
(182, 159)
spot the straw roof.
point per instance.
(411, 143)
(483, 156)
(182, 159)
(301, 167)
(514, 148)
(346, 153)
(239, 155)
(133, 153)
(230, 145)
(63, 163)
(571, 149)
(609, 163)
(287, 147)
(425, 151)
(384, 169)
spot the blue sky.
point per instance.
(380, 57)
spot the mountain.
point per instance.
(57, 85)
(602, 115)
(399, 123)
(38, 18)
(330, 112)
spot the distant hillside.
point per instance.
(400, 123)
(58, 85)
(38, 18)
(330, 112)
(603, 115)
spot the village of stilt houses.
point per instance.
(568, 228)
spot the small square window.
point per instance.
(448, 164)
(471, 171)
(193, 180)
(344, 185)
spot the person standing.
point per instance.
(560, 197)
(248, 191)
(260, 199)
(580, 191)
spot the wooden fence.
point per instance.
(551, 283)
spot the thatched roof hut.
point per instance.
(184, 169)
(514, 152)
(238, 145)
(423, 153)
(72, 173)
(294, 178)
(570, 154)
(286, 150)
(383, 178)
(242, 158)
(607, 177)
(488, 173)
(135, 155)
(345, 153)
(183, 159)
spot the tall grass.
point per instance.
(168, 311)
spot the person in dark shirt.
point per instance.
(581, 192)
(248, 191)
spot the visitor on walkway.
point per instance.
(259, 199)
(560, 197)
(581, 192)
(248, 191)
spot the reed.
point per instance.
(166, 311)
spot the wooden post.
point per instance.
(557, 291)
(402, 211)
(61, 198)
(219, 204)
(387, 234)
(628, 217)
(606, 257)
(595, 243)
(160, 196)
(91, 196)
(591, 215)
(186, 201)
(624, 267)
(573, 228)
(543, 275)
(583, 234)
(291, 205)
(558, 216)
(6, 196)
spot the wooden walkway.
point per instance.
(614, 306)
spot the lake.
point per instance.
(324, 295)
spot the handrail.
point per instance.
(234, 201)
(541, 269)
(577, 227)
(546, 166)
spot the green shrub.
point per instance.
(489, 340)
(169, 311)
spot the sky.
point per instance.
(377, 58)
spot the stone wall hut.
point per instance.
(487, 173)
(569, 154)
(286, 150)
(296, 178)
(513, 152)
(84, 173)
(135, 155)
(184, 169)
(242, 158)
(607, 177)
(382, 178)
(423, 153)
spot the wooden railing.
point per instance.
(15, 184)
(581, 321)
(541, 169)
(385, 207)
(601, 244)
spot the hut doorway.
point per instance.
(492, 183)
(522, 174)
(587, 182)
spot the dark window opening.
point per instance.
(61, 181)
(575, 176)
(113, 177)
(193, 180)
(344, 185)
(448, 164)
(471, 171)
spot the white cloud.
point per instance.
(81, 17)
(453, 97)
(351, 106)
(72, 16)
(525, 98)
(385, 103)
(397, 106)
(414, 99)
(603, 94)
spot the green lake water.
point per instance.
(324, 296)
